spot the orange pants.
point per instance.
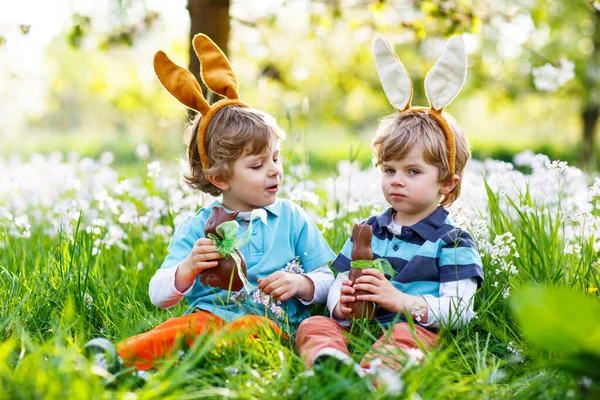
(144, 349)
(318, 332)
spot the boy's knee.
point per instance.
(315, 321)
(312, 324)
(402, 327)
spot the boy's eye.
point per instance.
(390, 171)
(276, 159)
(413, 171)
(256, 166)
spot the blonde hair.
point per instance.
(399, 133)
(231, 131)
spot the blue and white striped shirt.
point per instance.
(428, 253)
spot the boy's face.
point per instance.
(411, 186)
(255, 179)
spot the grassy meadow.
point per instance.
(80, 239)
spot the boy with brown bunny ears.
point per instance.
(234, 152)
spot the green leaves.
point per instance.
(559, 320)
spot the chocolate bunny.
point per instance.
(221, 275)
(361, 250)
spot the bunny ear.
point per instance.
(180, 83)
(392, 74)
(447, 77)
(216, 71)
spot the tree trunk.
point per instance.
(210, 17)
(588, 154)
(591, 103)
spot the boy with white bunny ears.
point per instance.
(422, 154)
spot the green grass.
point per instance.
(55, 295)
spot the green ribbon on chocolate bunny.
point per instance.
(232, 241)
(380, 264)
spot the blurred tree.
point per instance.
(316, 54)
(562, 35)
(210, 17)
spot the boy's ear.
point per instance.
(218, 182)
(449, 184)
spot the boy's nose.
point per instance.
(398, 182)
(274, 170)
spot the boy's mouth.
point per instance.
(273, 189)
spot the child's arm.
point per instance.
(454, 307)
(340, 294)
(461, 273)
(314, 253)
(322, 279)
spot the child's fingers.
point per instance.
(263, 282)
(368, 297)
(204, 242)
(270, 287)
(347, 299)
(367, 287)
(345, 310)
(347, 282)
(282, 293)
(367, 279)
(373, 272)
(274, 277)
(206, 248)
(207, 264)
(209, 256)
(347, 290)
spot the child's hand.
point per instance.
(204, 255)
(381, 290)
(347, 296)
(283, 286)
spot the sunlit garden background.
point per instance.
(93, 150)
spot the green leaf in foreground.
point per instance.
(558, 319)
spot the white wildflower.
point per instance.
(586, 382)
(513, 349)
(22, 222)
(5, 214)
(573, 248)
(560, 166)
(122, 187)
(231, 371)
(107, 158)
(154, 169)
(549, 78)
(88, 300)
(414, 355)
(142, 151)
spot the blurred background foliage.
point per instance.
(307, 62)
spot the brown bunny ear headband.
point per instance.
(216, 73)
(442, 83)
